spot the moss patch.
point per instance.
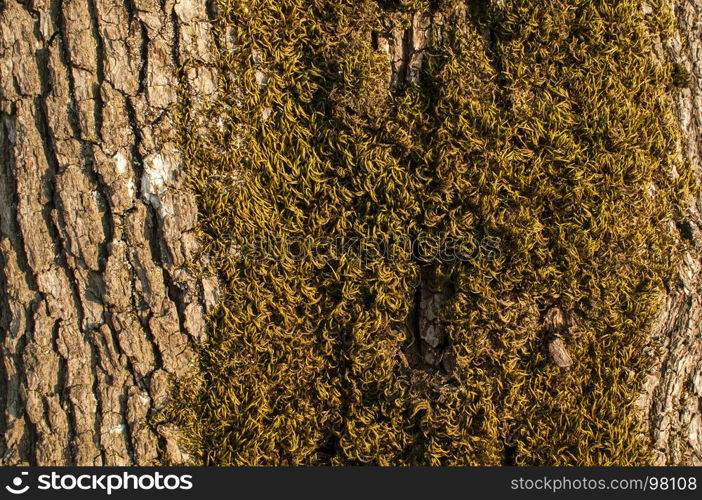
(544, 128)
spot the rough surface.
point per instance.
(673, 399)
(97, 314)
(520, 126)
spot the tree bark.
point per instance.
(672, 400)
(98, 316)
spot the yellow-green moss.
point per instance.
(554, 137)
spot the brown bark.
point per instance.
(673, 394)
(97, 314)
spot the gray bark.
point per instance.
(97, 314)
(99, 317)
(672, 400)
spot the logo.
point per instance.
(17, 482)
(109, 483)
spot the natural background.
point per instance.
(101, 310)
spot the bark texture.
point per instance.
(97, 315)
(673, 395)
(671, 402)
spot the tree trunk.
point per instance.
(673, 393)
(97, 313)
(98, 316)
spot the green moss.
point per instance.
(554, 138)
(680, 75)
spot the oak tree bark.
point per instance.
(672, 400)
(98, 315)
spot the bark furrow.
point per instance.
(98, 315)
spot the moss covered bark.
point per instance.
(542, 128)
